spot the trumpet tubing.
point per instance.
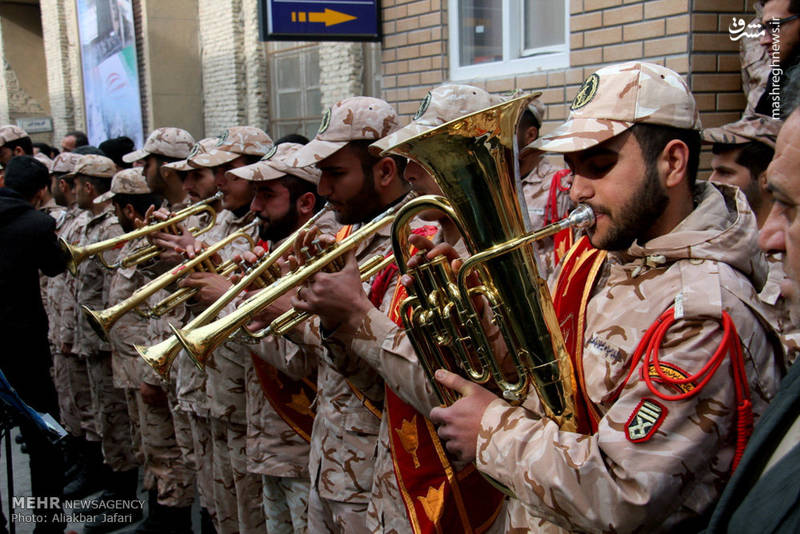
(102, 321)
(161, 356)
(77, 254)
(201, 342)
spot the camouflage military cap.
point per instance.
(352, 119)
(234, 142)
(128, 182)
(170, 142)
(9, 133)
(761, 128)
(536, 107)
(442, 104)
(275, 164)
(202, 146)
(65, 162)
(94, 166)
(615, 98)
(44, 159)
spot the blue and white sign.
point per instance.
(320, 20)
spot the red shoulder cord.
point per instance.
(649, 347)
(551, 214)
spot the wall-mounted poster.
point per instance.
(110, 75)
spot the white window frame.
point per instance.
(275, 51)
(531, 60)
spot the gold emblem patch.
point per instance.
(326, 121)
(423, 106)
(586, 92)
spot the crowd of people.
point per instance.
(674, 316)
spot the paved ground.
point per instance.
(22, 488)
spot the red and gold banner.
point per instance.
(438, 498)
(573, 289)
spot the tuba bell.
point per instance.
(473, 160)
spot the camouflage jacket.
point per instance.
(536, 190)
(56, 298)
(607, 481)
(755, 70)
(225, 387)
(94, 280)
(131, 329)
(776, 309)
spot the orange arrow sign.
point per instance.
(329, 17)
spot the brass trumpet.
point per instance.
(201, 342)
(473, 160)
(101, 321)
(264, 272)
(77, 254)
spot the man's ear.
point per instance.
(38, 197)
(530, 135)
(675, 162)
(130, 213)
(18, 151)
(384, 172)
(305, 204)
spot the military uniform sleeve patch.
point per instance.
(645, 420)
(671, 376)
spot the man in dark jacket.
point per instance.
(29, 245)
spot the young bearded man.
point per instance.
(359, 186)
(742, 151)
(665, 422)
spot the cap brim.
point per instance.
(719, 135)
(579, 134)
(182, 166)
(108, 195)
(136, 155)
(384, 145)
(213, 158)
(315, 151)
(257, 172)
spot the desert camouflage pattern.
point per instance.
(65, 162)
(286, 504)
(163, 460)
(442, 104)
(126, 181)
(201, 443)
(351, 119)
(10, 132)
(776, 308)
(536, 191)
(131, 329)
(43, 159)
(536, 107)
(336, 517)
(232, 143)
(755, 61)
(275, 164)
(754, 127)
(618, 96)
(273, 447)
(94, 281)
(148, 480)
(111, 411)
(94, 166)
(168, 141)
(236, 492)
(605, 482)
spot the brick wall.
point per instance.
(341, 68)
(62, 55)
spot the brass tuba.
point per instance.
(78, 254)
(473, 160)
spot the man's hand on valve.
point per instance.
(262, 319)
(337, 297)
(210, 286)
(172, 245)
(459, 424)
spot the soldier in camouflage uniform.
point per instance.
(655, 453)
(742, 151)
(169, 477)
(277, 440)
(93, 178)
(14, 141)
(234, 489)
(359, 186)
